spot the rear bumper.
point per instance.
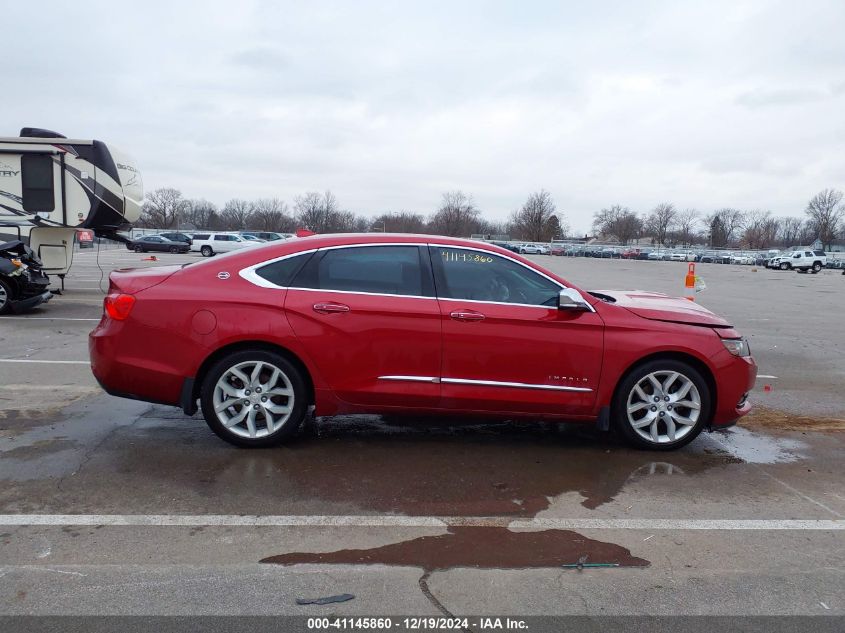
(126, 375)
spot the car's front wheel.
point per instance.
(661, 405)
(784, 266)
(138, 249)
(817, 266)
(174, 249)
(7, 295)
(254, 398)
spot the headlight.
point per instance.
(737, 346)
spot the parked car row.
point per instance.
(206, 243)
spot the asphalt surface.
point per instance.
(427, 516)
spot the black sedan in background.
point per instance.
(157, 243)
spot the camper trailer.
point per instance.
(51, 185)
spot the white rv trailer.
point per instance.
(51, 185)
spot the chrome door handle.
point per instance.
(329, 308)
(467, 315)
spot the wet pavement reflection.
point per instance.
(352, 465)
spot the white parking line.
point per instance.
(55, 362)
(766, 376)
(234, 520)
(20, 318)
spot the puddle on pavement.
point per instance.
(480, 548)
(755, 448)
(355, 465)
(358, 464)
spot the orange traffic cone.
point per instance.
(689, 283)
(151, 258)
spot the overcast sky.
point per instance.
(704, 104)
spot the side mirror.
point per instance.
(571, 299)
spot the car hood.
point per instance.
(661, 307)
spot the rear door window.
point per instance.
(388, 270)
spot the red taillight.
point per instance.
(119, 306)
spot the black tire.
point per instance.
(288, 369)
(206, 251)
(619, 413)
(817, 266)
(6, 296)
(138, 249)
(174, 249)
(784, 266)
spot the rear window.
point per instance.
(201, 236)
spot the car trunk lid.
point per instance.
(133, 280)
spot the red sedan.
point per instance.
(419, 324)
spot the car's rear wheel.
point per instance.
(6, 296)
(254, 398)
(206, 251)
(661, 405)
(817, 267)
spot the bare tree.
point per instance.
(760, 229)
(790, 231)
(660, 221)
(725, 225)
(619, 222)
(163, 208)
(235, 214)
(825, 213)
(399, 222)
(319, 213)
(537, 220)
(201, 214)
(686, 226)
(457, 215)
(271, 214)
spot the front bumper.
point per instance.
(30, 302)
(734, 381)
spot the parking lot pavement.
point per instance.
(118, 507)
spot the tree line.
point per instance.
(537, 220)
(824, 219)
(457, 215)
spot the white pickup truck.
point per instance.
(802, 261)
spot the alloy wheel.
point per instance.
(4, 297)
(663, 406)
(253, 399)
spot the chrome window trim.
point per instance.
(485, 383)
(251, 276)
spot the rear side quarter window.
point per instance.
(281, 273)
